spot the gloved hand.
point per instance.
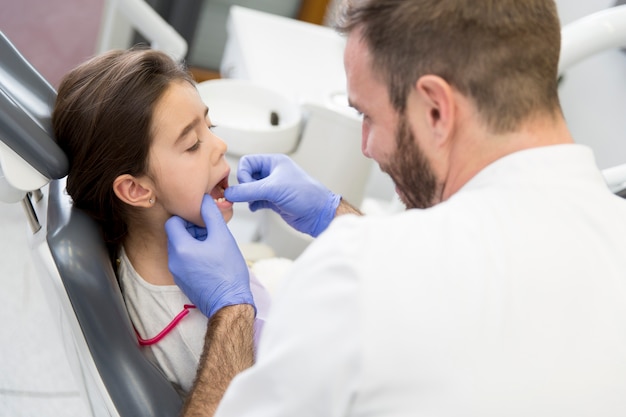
(211, 272)
(274, 181)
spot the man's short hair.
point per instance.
(502, 54)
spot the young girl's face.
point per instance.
(186, 159)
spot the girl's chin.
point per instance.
(225, 208)
(227, 211)
(227, 216)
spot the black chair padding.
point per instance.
(135, 385)
(26, 101)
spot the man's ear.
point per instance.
(133, 191)
(439, 104)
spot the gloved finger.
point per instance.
(244, 176)
(254, 167)
(176, 231)
(251, 191)
(196, 231)
(211, 215)
(262, 204)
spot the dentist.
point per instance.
(499, 291)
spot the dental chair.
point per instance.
(113, 374)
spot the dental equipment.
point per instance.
(586, 37)
(121, 17)
(591, 34)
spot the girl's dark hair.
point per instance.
(102, 120)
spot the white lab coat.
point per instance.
(509, 299)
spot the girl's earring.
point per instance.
(151, 201)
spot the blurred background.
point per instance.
(56, 35)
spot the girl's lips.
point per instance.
(223, 204)
(218, 194)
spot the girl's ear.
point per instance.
(132, 191)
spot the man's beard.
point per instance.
(410, 170)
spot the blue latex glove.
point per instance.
(208, 267)
(276, 182)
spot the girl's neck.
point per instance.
(147, 252)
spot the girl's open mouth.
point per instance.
(218, 194)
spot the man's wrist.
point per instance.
(229, 300)
(346, 208)
(235, 312)
(327, 214)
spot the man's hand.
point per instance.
(211, 272)
(276, 182)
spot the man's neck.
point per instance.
(476, 148)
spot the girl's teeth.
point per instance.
(219, 200)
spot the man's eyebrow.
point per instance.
(191, 126)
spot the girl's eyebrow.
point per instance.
(191, 126)
(354, 105)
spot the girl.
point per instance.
(140, 146)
